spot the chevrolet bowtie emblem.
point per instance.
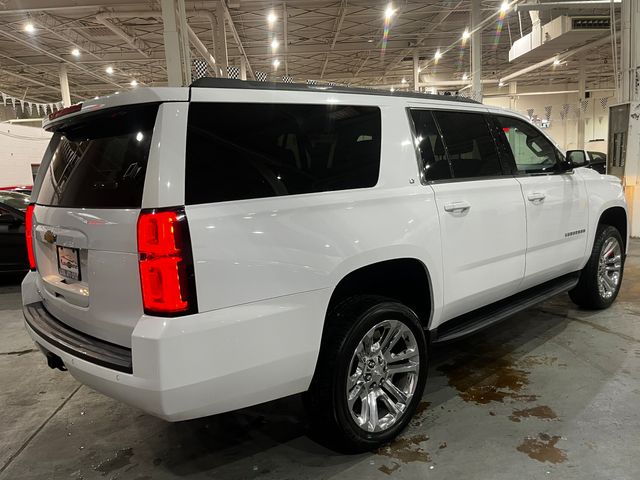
(50, 237)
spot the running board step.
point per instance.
(484, 317)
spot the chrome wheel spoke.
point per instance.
(410, 367)
(354, 394)
(372, 408)
(396, 392)
(391, 337)
(404, 355)
(609, 282)
(390, 404)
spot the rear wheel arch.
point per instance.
(406, 280)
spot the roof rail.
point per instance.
(209, 82)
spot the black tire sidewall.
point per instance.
(367, 320)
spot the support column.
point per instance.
(626, 45)
(243, 69)
(222, 57)
(476, 50)
(416, 72)
(582, 83)
(64, 86)
(513, 99)
(629, 91)
(184, 42)
(172, 45)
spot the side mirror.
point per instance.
(578, 158)
(565, 166)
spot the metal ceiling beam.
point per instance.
(336, 31)
(46, 52)
(63, 32)
(33, 80)
(236, 37)
(25, 6)
(604, 4)
(125, 33)
(320, 48)
(432, 25)
(285, 37)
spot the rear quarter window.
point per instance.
(240, 151)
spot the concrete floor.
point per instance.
(552, 393)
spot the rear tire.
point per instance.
(373, 359)
(601, 277)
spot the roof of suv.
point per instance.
(176, 94)
(209, 82)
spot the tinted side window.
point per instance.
(469, 144)
(435, 165)
(532, 151)
(238, 151)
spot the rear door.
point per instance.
(481, 211)
(87, 207)
(556, 204)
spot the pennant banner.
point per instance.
(26, 107)
(547, 112)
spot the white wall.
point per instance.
(20, 146)
(564, 132)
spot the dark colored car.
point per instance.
(13, 249)
(598, 162)
(26, 189)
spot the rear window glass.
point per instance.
(469, 144)
(100, 160)
(240, 151)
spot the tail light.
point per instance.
(166, 263)
(28, 231)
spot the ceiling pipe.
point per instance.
(556, 92)
(195, 41)
(236, 37)
(132, 41)
(561, 58)
(455, 83)
(202, 49)
(527, 7)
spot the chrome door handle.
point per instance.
(536, 197)
(457, 207)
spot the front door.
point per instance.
(556, 204)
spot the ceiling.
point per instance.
(338, 41)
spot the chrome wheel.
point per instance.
(609, 268)
(383, 375)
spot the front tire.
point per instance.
(370, 374)
(601, 277)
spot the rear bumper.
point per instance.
(198, 365)
(74, 342)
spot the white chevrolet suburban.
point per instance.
(199, 250)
